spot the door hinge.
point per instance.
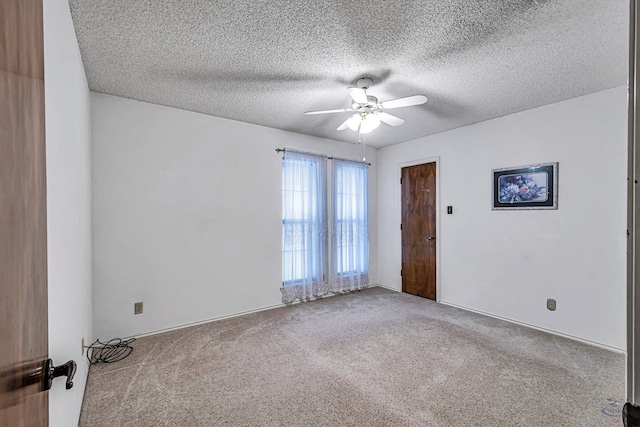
(400, 273)
(400, 226)
(400, 181)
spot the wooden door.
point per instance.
(23, 246)
(419, 230)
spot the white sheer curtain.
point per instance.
(304, 226)
(350, 227)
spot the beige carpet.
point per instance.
(373, 358)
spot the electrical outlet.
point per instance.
(137, 308)
(551, 304)
(82, 351)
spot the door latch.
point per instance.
(68, 370)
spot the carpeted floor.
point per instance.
(373, 358)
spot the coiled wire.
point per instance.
(113, 350)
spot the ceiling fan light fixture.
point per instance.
(369, 122)
(354, 122)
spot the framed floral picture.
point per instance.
(526, 187)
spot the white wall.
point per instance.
(187, 214)
(68, 136)
(507, 263)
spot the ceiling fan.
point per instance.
(368, 111)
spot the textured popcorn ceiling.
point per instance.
(267, 62)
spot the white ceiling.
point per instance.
(269, 61)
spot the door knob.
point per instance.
(68, 370)
(430, 238)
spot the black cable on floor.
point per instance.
(113, 350)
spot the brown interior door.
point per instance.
(23, 245)
(419, 230)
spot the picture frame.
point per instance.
(526, 187)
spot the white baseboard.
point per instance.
(271, 307)
(550, 331)
(386, 287)
(228, 316)
(202, 322)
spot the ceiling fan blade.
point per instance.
(358, 95)
(342, 110)
(344, 125)
(389, 119)
(405, 102)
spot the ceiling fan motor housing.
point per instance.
(372, 104)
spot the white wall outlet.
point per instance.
(137, 307)
(551, 304)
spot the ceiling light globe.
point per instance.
(354, 122)
(369, 123)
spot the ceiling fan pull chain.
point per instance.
(364, 146)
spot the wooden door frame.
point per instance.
(436, 160)
(633, 219)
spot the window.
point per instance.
(350, 236)
(303, 219)
(308, 268)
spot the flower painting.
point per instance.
(523, 187)
(526, 187)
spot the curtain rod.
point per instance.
(283, 150)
